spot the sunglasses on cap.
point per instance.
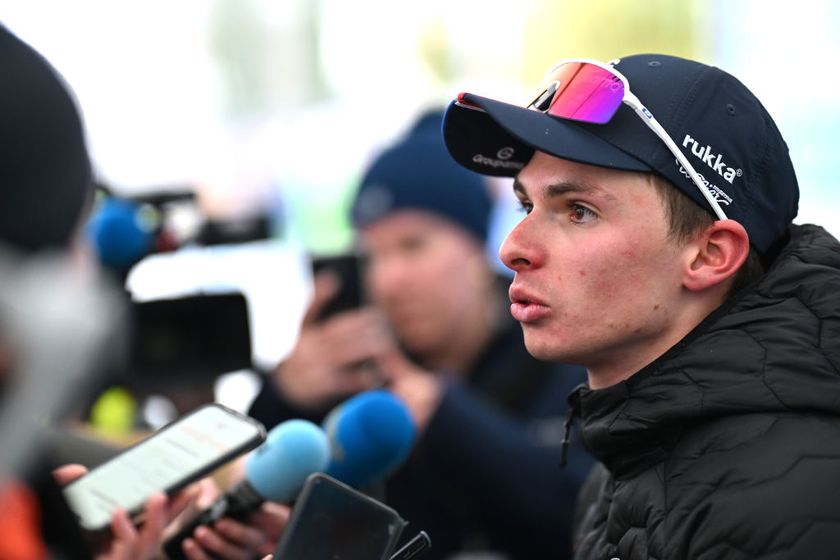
(589, 91)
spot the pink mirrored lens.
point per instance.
(585, 92)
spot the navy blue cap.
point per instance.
(45, 174)
(720, 126)
(417, 173)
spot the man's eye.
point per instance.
(525, 206)
(582, 214)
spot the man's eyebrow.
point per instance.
(565, 187)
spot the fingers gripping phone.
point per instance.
(349, 269)
(333, 521)
(176, 455)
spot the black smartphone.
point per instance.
(349, 269)
(333, 521)
(176, 455)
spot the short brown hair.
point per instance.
(686, 218)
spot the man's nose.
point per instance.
(520, 249)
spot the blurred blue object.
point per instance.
(371, 435)
(293, 450)
(121, 233)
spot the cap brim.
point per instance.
(500, 138)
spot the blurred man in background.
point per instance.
(54, 319)
(485, 475)
(46, 182)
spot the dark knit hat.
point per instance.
(45, 172)
(418, 173)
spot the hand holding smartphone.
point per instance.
(178, 454)
(348, 268)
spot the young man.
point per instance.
(484, 475)
(664, 260)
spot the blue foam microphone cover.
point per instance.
(118, 233)
(370, 435)
(292, 451)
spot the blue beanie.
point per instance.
(417, 173)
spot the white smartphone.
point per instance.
(181, 452)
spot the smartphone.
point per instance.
(349, 268)
(181, 452)
(333, 521)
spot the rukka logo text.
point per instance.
(713, 160)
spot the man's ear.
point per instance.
(717, 254)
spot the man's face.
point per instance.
(597, 278)
(424, 273)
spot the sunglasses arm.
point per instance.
(654, 125)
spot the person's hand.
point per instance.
(419, 389)
(231, 540)
(128, 542)
(333, 358)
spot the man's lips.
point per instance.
(525, 307)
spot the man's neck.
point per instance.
(622, 363)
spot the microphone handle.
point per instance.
(236, 504)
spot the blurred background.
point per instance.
(241, 126)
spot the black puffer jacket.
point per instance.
(728, 446)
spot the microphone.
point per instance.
(371, 435)
(123, 231)
(276, 471)
(367, 437)
(119, 233)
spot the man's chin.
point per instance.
(540, 352)
(545, 349)
(419, 342)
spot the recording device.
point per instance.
(123, 230)
(173, 457)
(348, 268)
(371, 435)
(276, 471)
(333, 521)
(192, 337)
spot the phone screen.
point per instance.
(172, 457)
(332, 521)
(349, 269)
